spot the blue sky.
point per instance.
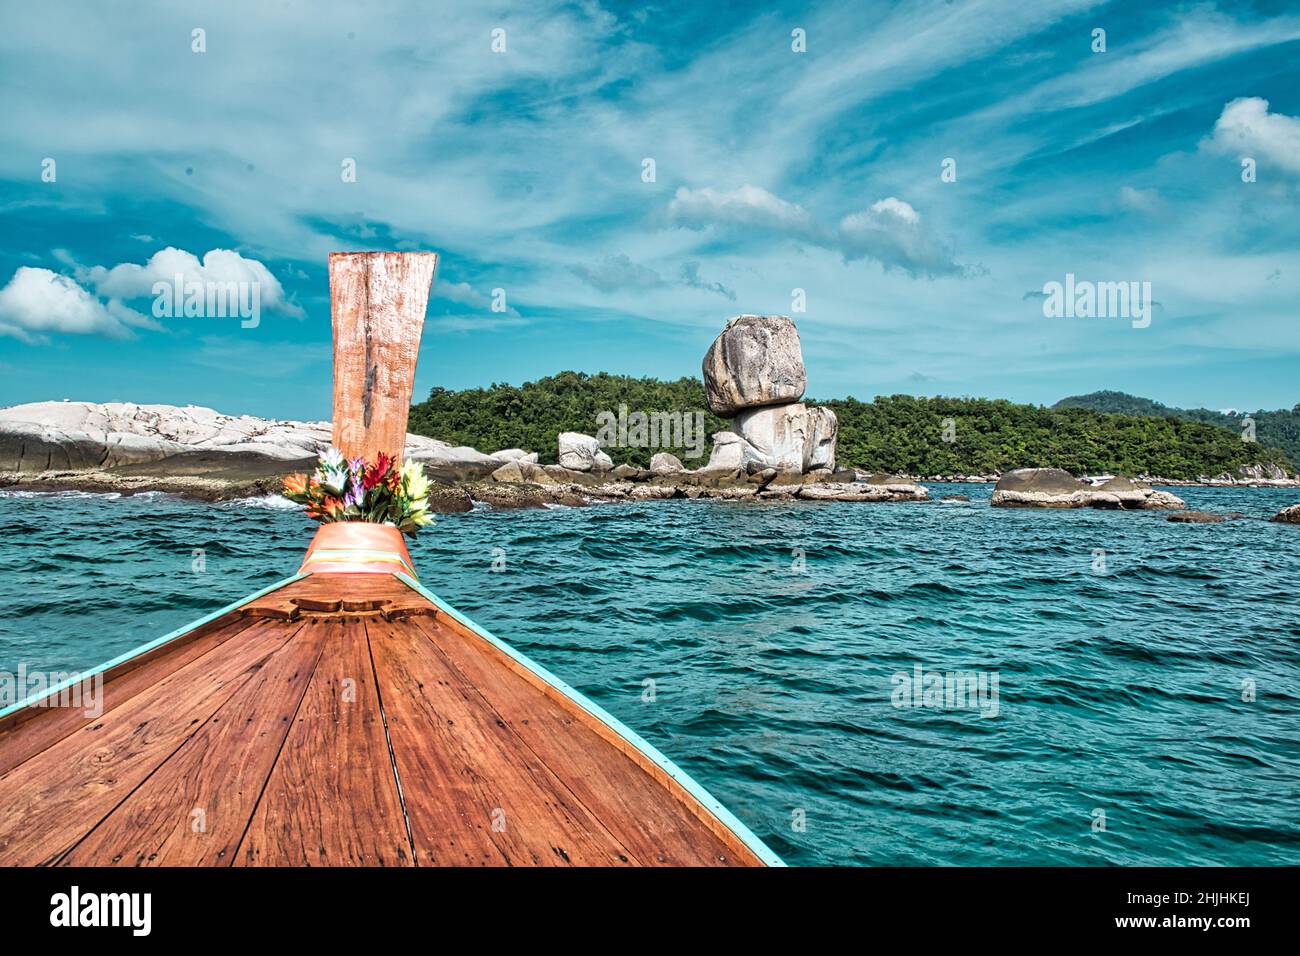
(774, 171)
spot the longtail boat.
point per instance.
(347, 716)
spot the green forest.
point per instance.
(897, 433)
(1279, 429)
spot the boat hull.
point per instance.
(346, 720)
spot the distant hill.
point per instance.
(1279, 429)
(898, 433)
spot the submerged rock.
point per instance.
(755, 361)
(1289, 515)
(1196, 517)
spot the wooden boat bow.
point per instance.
(347, 715)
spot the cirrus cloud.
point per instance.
(889, 232)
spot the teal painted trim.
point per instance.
(143, 648)
(746, 836)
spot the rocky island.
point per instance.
(778, 448)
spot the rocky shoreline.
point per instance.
(778, 449)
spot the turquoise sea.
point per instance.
(775, 637)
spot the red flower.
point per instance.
(379, 472)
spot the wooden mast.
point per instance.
(377, 303)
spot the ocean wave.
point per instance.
(273, 502)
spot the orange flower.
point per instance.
(295, 485)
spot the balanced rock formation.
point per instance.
(1056, 488)
(755, 361)
(754, 372)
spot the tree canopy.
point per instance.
(897, 433)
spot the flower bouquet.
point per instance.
(342, 490)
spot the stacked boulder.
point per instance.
(754, 374)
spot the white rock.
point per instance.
(823, 431)
(510, 454)
(577, 452)
(730, 452)
(88, 435)
(780, 435)
(662, 463)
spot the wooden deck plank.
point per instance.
(740, 851)
(51, 800)
(475, 794)
(29, 731)
(194, 809)
(645, 815)
(331, 799)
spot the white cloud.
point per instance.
(889, 232)
(1139, 200)
(1246, 127)
(748, 206)
(130, 281)
(460, 292)
(37, 301)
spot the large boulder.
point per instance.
(779, 434)
(577, 451)
(790, 437)
(755, 361)
(730, 453)
(1055, 488)
(823, 430)
(447, 463)
(662, 463)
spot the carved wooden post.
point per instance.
(377, 302)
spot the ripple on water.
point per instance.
(761, 648)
